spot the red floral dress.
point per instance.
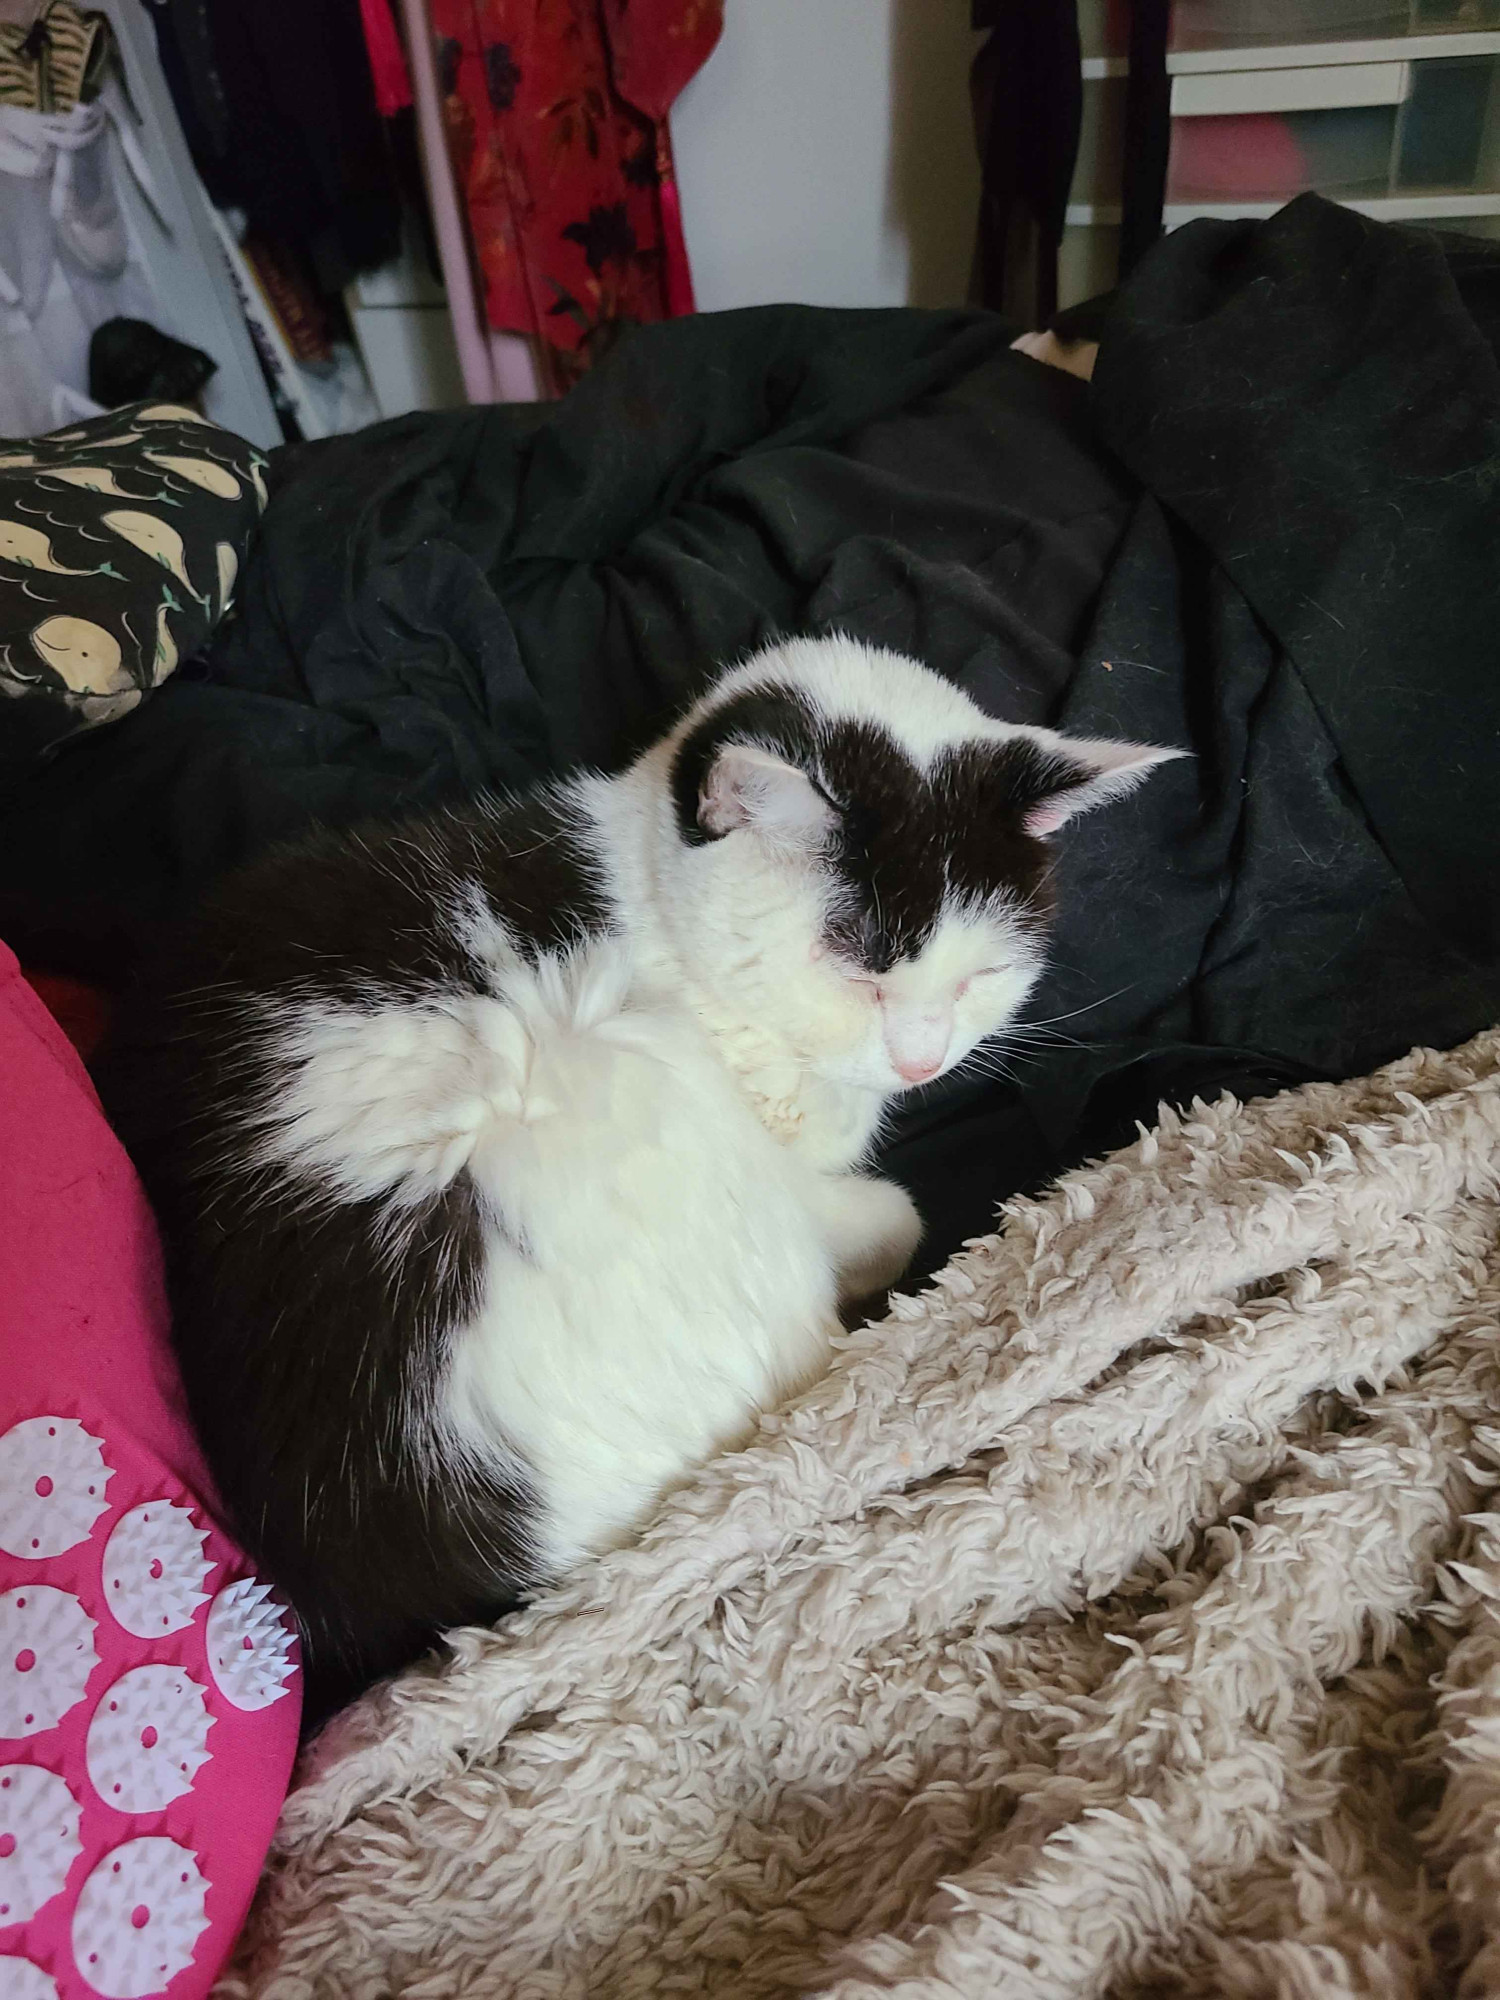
(556, 115)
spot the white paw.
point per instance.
(872, 1229)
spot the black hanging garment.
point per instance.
(1027, 92)
(1148, 132)
(278, 107)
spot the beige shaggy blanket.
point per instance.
(1121, 1617)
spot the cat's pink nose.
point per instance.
(916, 1044)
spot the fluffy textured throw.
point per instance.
(1122, 1616)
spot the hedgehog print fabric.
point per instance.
(149, 1681)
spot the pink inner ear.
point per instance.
(749, 787)
(1110, 771)
(1047, 817)
(722, 806)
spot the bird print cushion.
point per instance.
(120, 543)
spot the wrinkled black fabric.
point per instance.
(1340, 454)
(1266, 534)
(446, 602)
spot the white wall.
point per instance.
(825, 154)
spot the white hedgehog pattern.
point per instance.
(21, 1980)
(249, 1648)
(52, 1481)
(138, 1918)
(38, 1841)
(148, 1739)
(46, 1657)
(154, 1567)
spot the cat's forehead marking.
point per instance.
(928, 795)
(839, 680)
(912, 844)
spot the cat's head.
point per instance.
(862, 857)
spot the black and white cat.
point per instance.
(510, 1161)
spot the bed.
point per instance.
(1119, 1616)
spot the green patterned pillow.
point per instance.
(120, 542)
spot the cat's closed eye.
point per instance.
(984, 972)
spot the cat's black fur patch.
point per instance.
(376, 1550)
(905, 840)
(354, 912)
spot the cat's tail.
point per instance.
(388, 1099)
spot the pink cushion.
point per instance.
(149, 1688)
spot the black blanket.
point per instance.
(1268, 532)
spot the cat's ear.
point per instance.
(747, 786)
(1094, 773)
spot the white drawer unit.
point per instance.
(1394, 111)
(1312, 87)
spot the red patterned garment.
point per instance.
(556, 112)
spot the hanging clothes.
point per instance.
(653, 55)
(102, 219)
(388, 70)
(471, 335)
(54, 60)
(1148, 131)
(556, 119)
(278, 104)
(1027, 92)
(67, 262)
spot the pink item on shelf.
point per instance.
(149, 1689)
(1254, 156)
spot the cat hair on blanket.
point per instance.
(510, 1162)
